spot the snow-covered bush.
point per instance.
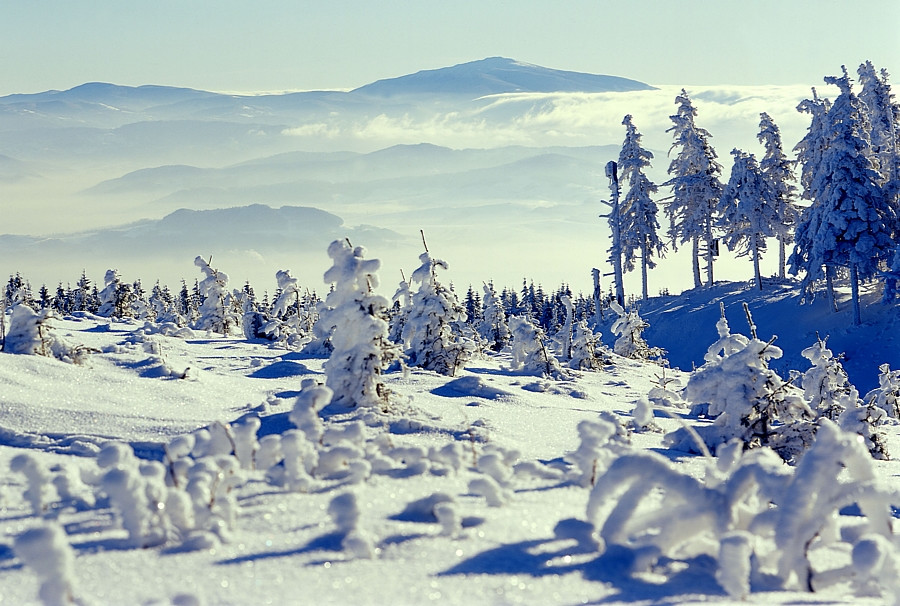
(32, 333)
(493, 328)
(47, 552)
(600, 442)
(291, 324)
(344, 511)
(826, 385)
(755, 515)
(584, 348)
(356, 319)
(39, 492)
(887, 395)
(216, 313)
(749, 401)
(629, 342)
(431, 331)
(530, 354)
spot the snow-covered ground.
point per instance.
(468, 491)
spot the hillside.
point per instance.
(475, 489)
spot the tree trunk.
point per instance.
(644, 275)
(755, 248)
(829, 287)
(854, 294)
(782, 260)
(709, 262)
(695, 255)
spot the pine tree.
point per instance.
(215, 313)
(883, 120)
(695, 187)
(778, 172)
(431, 331)
(493, 326)
(850, 221)
(748, 212)
(639, 222)
(355, 320)
(809, 155)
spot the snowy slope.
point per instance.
(532, 547)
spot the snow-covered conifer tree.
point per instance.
(748, 211)
(850, 222)
(639, 222)
(749, 400)
(584, 348)
(778, 172)
(628, 328)
(216, 313)
(431, 331)
(883, 115)
(109, 296)
(493, 326)
(695, 187)
(356, 319)
(826, 385)
(887, 395)
(530, 354)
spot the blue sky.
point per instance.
(280, 44)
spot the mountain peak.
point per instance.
(496, 75)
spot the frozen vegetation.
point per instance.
(211, 445)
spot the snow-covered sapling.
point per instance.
(216, 312)
(305, 414)
(32, 333)
(493, 328)
(530, 354)
(825, 385)
(40, 487)
(431, 330)
(344, 511)
(887, 395)
(629, 342)
(46, 550)
(356, 319)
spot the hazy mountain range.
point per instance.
(500, 162)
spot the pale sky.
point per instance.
(272, 45)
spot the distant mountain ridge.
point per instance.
(497, 75)
(493, 75)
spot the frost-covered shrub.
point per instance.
(292, 321)
(825, 385)
(356, 319)
(887, 395)
(39, 492)
(564, 336)
(584, 348)
(530, 354)
(305, 414)
(32, 333)
(629, 342)
(47, 551)
(757, 516)
(493, 328)
(600, 442)
(344, 511)
(216, 313)
(749, 401)
(862, 418)
(431, 329)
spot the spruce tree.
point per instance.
(748, 212)
(695, 187)
(778, 171)
(639, 223)
(850, 222)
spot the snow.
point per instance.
(473, 489)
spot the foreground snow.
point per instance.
(505, 523)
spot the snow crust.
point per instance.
(483, 488)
